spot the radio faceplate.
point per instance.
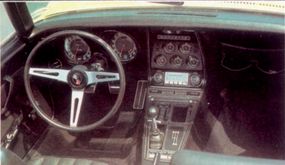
(177, 79)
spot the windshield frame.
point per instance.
(53, 9)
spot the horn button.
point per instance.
(77, 79)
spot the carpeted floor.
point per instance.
(116, 146)
(250, 123)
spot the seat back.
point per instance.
(189, 157)
(10, 158)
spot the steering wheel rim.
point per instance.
(110, 52)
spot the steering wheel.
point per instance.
(78, 78)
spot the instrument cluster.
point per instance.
(176, 55)
(79, 51)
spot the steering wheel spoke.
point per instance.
(54, 74)
(76, 104)
(96, 77)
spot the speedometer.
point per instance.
(124, 46)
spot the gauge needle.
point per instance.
(123, 47)
(76, 52)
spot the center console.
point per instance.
(176, 87)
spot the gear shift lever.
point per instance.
(156, 137)
(152, 114)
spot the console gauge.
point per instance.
(193, 61)
(161, 60)
(169, 47)
(77, 50)
(176, 61)
(186, 48)
(124, 46)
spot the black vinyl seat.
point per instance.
(10, 158)
(189, 157)
(51, 160)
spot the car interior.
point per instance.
(152, 87)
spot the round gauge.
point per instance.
(193, 61)
(124, 46)
(186, 48)
(161, 60)
(77, 50)
(169, 47)
(176, 60)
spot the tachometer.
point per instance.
(77, 50)
(124, 46)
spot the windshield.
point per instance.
(7, 28)
(5, 23)
(43, 10)
(35, 8)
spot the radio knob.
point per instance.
(158, 77)
(195, 80)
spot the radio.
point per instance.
(179, 79)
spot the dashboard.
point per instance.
(168, 57)
(167, 63)
(140, 51)
(174, 56)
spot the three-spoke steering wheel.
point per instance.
(78, 78)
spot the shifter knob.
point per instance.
(152, 112)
